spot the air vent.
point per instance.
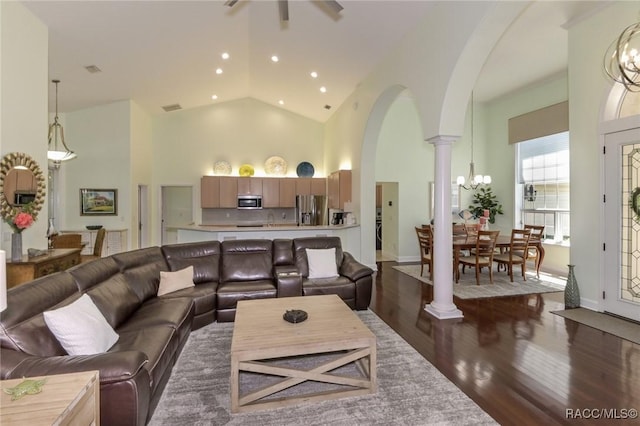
(327, 107)
(169, 108)
(92, 69)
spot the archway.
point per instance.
(367, 171)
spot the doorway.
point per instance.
(621, 291)
(143, 216)
(177, 210)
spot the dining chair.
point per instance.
(517, 252)
(97, 247)
(537, 235)
(472, 228)
(66, 241)
(425, 240)
(482, 255)
(459, 229)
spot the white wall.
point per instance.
(403, 157)
(141, 149)
(101, 137)
(500, 156)
(588, 88)
(187, 143)
(23, 111)
(438, 66)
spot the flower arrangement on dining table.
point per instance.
(23, 218)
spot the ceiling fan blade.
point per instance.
(333, 5)
(283, 6)
(230, 3)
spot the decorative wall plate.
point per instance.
(305, 169)
(221, 168)
(246, 170)
(275, 166)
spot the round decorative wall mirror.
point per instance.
(21, 183)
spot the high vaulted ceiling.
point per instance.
(161, 53)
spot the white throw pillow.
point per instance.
(174, 281)
(81, 328)
(322, 263)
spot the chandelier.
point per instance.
(474, 180)
(56, 133)
(622, 60)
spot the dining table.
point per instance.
(468, 242)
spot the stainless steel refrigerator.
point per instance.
(311, 210)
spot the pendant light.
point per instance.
(474, 180)
(56, 133)
(622, 60)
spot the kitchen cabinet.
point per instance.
(271, 193)
(218, 192)
(210, 192)
(228, 192)
(18, 180)
(249, 186)
(339, 189)
(287, 192)
(311, 186)
(318, 186)
(222, 191)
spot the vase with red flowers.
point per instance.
(21, 220)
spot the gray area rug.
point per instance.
(628, 330)
(467, 288)
(411, 391)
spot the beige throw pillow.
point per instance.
(81, 328)
(322, 263)
(174, 281)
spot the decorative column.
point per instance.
(442, 306)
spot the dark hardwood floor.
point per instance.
(519, 362)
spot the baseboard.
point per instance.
(594, 305)
(402, 259)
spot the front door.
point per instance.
(622, 224)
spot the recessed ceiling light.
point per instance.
(225, 55)
(214, 97)
(218, 71)
(274, 58)
(281, 102)
(314, 74)
(323, 89)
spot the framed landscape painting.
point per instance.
(98, 202)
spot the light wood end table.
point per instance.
(66, 399)
(261, 334)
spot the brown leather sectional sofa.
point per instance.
(153, 330)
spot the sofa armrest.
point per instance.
(113, 366)
(352, 269)
(288, 281)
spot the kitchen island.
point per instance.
(349, 234)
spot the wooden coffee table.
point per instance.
(260, 334)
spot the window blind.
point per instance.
(542, 122)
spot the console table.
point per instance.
(66, 399)
(30, 268)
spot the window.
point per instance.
(543, 178)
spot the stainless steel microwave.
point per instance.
(250, 202)
(22, 198)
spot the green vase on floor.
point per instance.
(571, 291)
